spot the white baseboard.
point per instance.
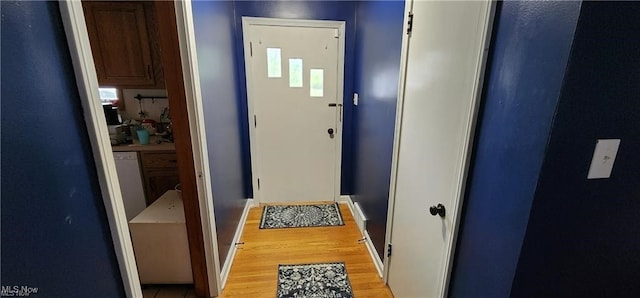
(372, 250)
(224, 273)
(359, 217)
(373, 253)
(347, 200)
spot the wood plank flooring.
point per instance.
(254, 271)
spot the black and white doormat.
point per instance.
(300, 216)
(328, 280)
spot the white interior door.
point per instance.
(294, 82)
(444, 66)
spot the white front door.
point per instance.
(444, 66)
(294, 89)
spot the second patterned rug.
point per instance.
(328, 280)
(301, 216)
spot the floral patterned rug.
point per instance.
(300, 216)
(328, 280)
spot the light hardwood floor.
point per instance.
(255, 269)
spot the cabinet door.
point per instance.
(120, 43)
(160, 171)
(158, 182)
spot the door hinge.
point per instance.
(258, 183)
(255, 121)
(410, 23)
(251, 49)
(389, 247)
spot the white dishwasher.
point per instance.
(130, 183)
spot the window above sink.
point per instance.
(109, 96)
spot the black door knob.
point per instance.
(437, 210)
(330, 131)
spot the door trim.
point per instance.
(404, 55)
(182, 44)
(247, 22)
(465, 156)
(186, 36)
(87, 84)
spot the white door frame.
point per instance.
(87, 83)
(464, 158)
(404, 55)
(193, 95)
(246, 36)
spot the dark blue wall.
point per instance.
(583, 238)
(377, 68)
(215, 43)
(530, 49)
(55, 234)
(319, 10)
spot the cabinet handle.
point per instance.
(149, 71)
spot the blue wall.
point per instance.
(530, 49)
(215, 43)
(377, 68)
(55, 234)
(319, 10)
(583, 238)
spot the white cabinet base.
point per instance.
(159, 236)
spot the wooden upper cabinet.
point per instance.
(123, 41)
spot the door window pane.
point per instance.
(316, 82)
(274, 63)
(295, 72)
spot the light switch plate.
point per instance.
(603, 157)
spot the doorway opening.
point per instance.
(166, 211)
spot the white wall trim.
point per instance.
(397, 133)
(226, 269)
(346, 199)
(465, 157)
(247, 22)
(195, 110)
(87, 83)
(373, 253)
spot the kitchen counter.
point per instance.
(152, 146)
